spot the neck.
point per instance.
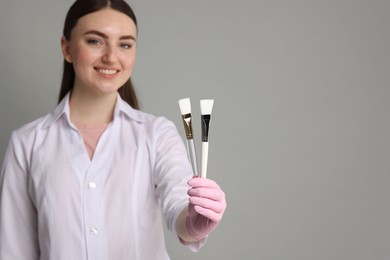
(87, 108)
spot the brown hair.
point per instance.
(79, 9)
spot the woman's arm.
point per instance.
(18, 215)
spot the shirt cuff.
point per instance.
(194, 246)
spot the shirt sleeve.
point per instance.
(171, 173)
(18, 217)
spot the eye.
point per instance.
(94, 42)
(126, 45)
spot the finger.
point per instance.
(213, 216)
(217, 207)
(202, 182)
(212, 194)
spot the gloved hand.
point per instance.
(206, 208)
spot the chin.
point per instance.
(109, 91)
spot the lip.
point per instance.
(107, 72)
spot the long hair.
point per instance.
(79, 9)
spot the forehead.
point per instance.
(108, 21)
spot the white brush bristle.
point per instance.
(185, 106)
(206, 106)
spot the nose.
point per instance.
(109, 55)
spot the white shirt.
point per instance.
(56, 203)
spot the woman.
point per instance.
(91, 179)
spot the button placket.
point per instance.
(91, 185)
(95, 234)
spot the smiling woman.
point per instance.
(102, 51)
(91, 179)
(75, 16)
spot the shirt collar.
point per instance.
(63, 109)
(125, 108)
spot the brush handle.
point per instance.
(205, 156)
(192, 155)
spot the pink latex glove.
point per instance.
(207, 205)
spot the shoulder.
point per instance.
(29, 128)
(156, 127)
(22, 142)
(45, 122)
(27, 132)
(145, 119)
(149, 122)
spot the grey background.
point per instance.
(301, 122)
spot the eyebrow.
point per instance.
(124, 37)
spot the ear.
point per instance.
(65, 49)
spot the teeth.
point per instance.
(108, 72)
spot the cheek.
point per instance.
(129, 62)
(83, 57)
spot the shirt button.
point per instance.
(93, 230)
(91, 185)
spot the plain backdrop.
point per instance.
(300, 129)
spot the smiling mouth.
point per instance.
(107, 71)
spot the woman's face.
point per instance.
(102, 49)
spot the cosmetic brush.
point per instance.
(206, 106)
(185, 109)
